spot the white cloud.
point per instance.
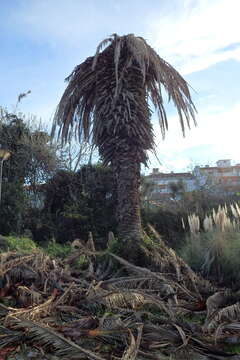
(215, 137)
(188, 33)
(191, 34)
(193, 38)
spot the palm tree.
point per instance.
(108, 103)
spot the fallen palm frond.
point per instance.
(51, 340)
(109, 308)
(6, 266)
(132, 351)
(225, 315)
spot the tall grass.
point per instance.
(212, 245)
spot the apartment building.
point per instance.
(223, 177)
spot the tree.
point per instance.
(76, 203)
(33, 160)
(74, 155)
(177, 188)
(108, 103)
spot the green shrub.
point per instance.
(22, 244)
(54, 249)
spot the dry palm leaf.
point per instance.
(35, 312)
(228, 314)
(50, 340)
(131, 352)
(29, 296)
(106, 100)
(124, 299)
(10, 264)
(10, 337)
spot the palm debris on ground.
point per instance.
(96, 305)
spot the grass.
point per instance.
(27, 245)
(214, 248)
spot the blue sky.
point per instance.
(42, 40)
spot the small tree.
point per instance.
(177, 188)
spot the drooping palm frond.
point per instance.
(106, 100)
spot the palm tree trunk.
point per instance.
(127, 169)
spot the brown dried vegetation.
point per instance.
(108, 308)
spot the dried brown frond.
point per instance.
(49, 339)
(132, 351)
(34, 312)
(226, 315)
(10, 264)
(124, 299)
(106, 100)
(29, 296)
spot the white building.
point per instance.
(223, 177)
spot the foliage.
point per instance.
(76, 203)
(33, 159)
(13, 208)
(168, 216)
(215, 249)
(21, 244)
(56, 250)
(177, 188)
(167, 220)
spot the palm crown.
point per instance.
(106, 100)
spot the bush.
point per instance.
(22, 244)
(54, 249)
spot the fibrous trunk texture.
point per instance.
(127, 170)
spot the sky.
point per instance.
(43, 40)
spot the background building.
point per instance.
(223, 177)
